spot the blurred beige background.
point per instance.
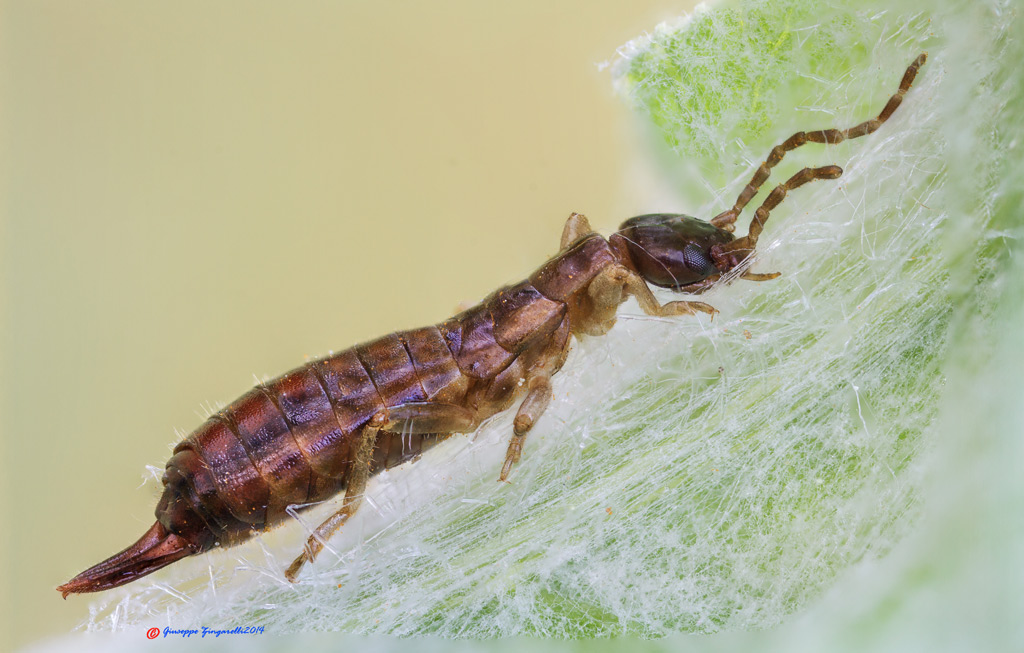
(194, 193)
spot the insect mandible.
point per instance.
(327, 426)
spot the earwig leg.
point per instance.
(649, 303)
(536, 402)
(430, 417)
(756, 276)
(702, 286)
(606, 294)
(576, 226)
(413, 418)
(726, 219)
(353, 497)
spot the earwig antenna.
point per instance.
(727, 219)
(745, 245)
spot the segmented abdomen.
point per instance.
(292, 440)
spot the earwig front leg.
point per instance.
(701, 286)
(537, 399)
(356, 486)
(606, 293)
(760, 276)
(576, 226)
(637, 287)
(614, 284)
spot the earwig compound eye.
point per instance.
(698, 260)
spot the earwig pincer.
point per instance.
(326, 427)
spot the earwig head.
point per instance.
(672, 250)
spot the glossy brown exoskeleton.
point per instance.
(327, 426)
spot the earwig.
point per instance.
(327, 426)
